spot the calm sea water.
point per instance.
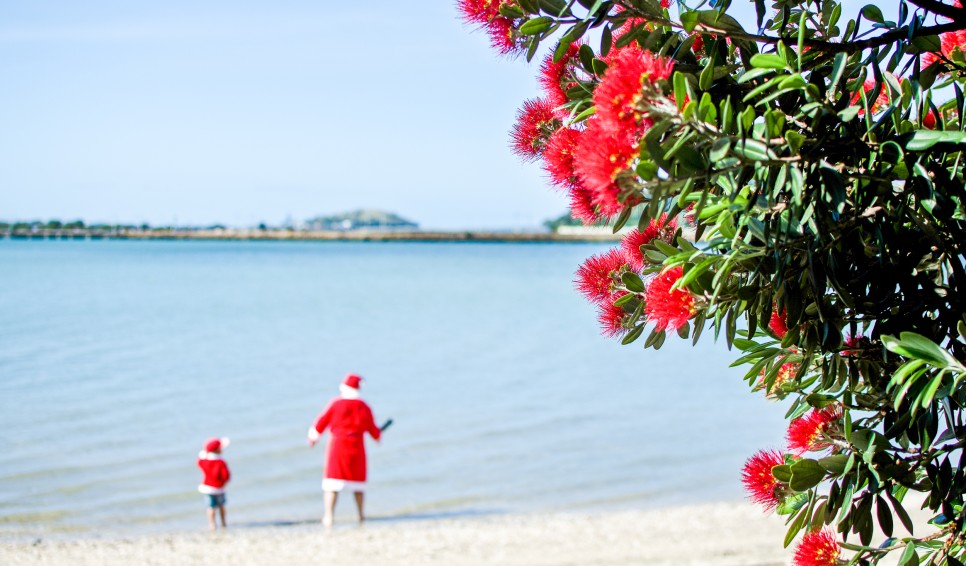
(118, 359)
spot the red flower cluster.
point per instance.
(949, 42)
(762, 486)
(874, 105)
(857, 342)
(628, 81)
(556, 76)
(558, 157)
(598, 274)
(818, 548)
(611, 319)
(603, 158)
(667, 307)
(502, 30)
(812, 431)
(779, 323)
(596, 279)
(786, 372)
(536, 122)
(659, 229)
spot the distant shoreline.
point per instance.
(307, 235)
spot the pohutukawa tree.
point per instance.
(816, 166)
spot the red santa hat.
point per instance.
(216, 444)
(352, 380)
(350, 386)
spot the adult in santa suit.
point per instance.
(347, 418)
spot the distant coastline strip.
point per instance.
(310, 235)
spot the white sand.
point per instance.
(735, 534)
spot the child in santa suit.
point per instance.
(347, 418)
(216, 475)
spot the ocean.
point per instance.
(119, 358)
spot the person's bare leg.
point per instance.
(221, 511)
(360, 497)
(211, 518)
(330, 497)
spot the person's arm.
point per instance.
(225, 473)
(315, 432)
(371, 425)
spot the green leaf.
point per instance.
(922, 140)
(883, 515)
(634, 334)
(872, 13)
(767, 61)
(753, 150)
(633, 282)
(806, 474)
(834, 464)
(752, 74)
(556, 8)
(794, 140)
(909, 556)
(782, 473)
(918, 347)
(536, 25)
(680, 89)
(796, 526)
(719, 149)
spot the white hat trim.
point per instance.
(348, 392)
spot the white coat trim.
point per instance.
(209, 490)
(209, 455)
(313, 434)
(332, 484)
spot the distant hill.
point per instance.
(361, 220)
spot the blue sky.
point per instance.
(244, 111)
(248, 111)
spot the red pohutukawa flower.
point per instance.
(504, 36)
(536, 121)
(778, 323)
(856, 342)
(553, 75)
(582, 205)
(874, 105)
(814, 430)
(762, 486)
(604, 157)
(611, 319)
(598, 274)
(818, 548)
(479, 11)
(668, 308)
(626, 85)
(558, 156)
(786, 372)
(949, 42)
(659, 229)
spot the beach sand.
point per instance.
(732, 534)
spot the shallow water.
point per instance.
(118, 359)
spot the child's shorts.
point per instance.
(216, 500)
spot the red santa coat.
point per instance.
(215, 471)
(347, 420)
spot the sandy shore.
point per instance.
(735, 534)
